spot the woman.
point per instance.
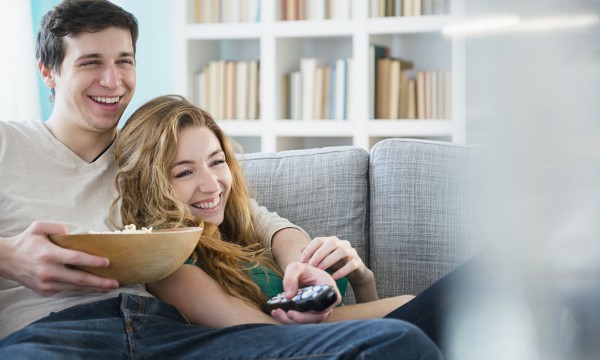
(177, 168)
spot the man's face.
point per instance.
(96, 80)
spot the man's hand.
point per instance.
(299, 275)
(35, 262)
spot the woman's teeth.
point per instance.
(207, 204)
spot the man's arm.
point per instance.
(33, 261)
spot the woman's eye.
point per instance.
(218, 162)
(182, 174)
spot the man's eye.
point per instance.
(90, 63)
(126, 61)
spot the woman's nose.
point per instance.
(207, 182)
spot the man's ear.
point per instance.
(47, 75)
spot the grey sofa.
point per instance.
(407, 206)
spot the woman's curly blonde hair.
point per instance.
(144, 151)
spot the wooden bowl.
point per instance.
(135, 257)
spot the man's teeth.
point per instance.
(208, 205)
(106, 100)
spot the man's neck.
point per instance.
(88, 145)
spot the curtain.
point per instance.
(19, 94)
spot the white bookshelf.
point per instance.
(280, 44)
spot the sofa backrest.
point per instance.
(408, 206)
(423, 212)
(323, 190)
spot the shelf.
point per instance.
(279, 46)
(223, 31)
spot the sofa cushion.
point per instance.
(322, 190)
(422, 213)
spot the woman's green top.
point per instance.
(268, 281)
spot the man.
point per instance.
(58, 176)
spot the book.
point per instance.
(407, 8)
(398, 5)
(340, 89)
(331, 107)
(290, 10)
(428, 92)
(383, 88)
(420, 87)
(411, 99)
(308, 68)
(394, 89)
(350, 107)
(398, 68)
(285, 96)
(315, 9)
(253, 89)
(375, 52)
(296, 95)
(416, 7)
(427, 7)
(441, 88)
(241, 90)
(199, 84)
(340, 9)
(230, 91)
(435, 112)
(318, 93)
(198, 11)
(326, 95)
(448, 94)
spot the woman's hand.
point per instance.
(299, 275)
(338, 255)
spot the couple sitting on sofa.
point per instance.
(177, 168)
(86, 55)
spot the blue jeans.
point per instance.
(134, 327)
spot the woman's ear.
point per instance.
(47, 75)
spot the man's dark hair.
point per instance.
(73, 17)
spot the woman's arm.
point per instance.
(284, 239)
(289, 243)
(203, 301)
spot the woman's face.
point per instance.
(200, 175)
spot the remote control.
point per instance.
(316, 297)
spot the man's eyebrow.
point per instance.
(99, 56)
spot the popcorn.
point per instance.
(129, 229)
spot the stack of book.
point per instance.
(317, 90)
(226, 11)
(229, 89)
(399, 91)
(381, 8)
(316, 9)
